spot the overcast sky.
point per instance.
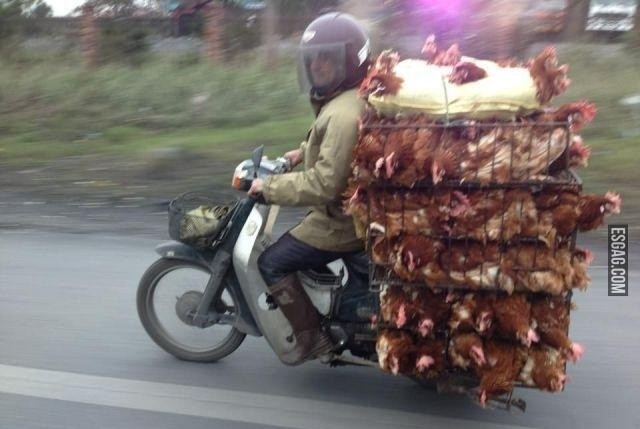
(63, 7)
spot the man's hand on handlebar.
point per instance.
(278, 166)
(256, 188)
(295, 157)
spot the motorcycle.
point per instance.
(190, 292)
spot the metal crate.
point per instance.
(500, 242)
(457, 380)
(380, 274)
(553, 175)
(552, 140)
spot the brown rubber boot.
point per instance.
(297, 307)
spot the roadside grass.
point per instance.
(604, 75)
(224, 143)
(51, 107)
(58, 100)
(613, 166)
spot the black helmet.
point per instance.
(342, 50)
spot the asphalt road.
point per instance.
(74, 355)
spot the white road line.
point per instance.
(283, 411)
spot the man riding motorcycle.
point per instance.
(334, 58)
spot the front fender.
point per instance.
(177, 250)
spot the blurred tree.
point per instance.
(15, 8)
(119, 40)
(42, 10)
(36, 9)
(285, 17)
(10, 10)
(295, 15)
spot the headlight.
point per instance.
(240, 175)
(238, 180)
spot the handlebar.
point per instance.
(286, 164)
(246, 171)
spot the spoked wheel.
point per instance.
(168, 296)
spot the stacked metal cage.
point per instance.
(454, 238)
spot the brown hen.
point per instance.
(578, 114)
(504, 362)
(474, 265)
(433, 55)
(513, 318)
(466, 351)
(368, 157)
(463, 314)
(549, 78)
(544, 369)
(594, 208)
(415, 252)
(392, 299)
(380, 78)
(570, 210)
(430, 357)
(575, 156)
(582, 258)
(551, 316)
(466, 72)
(396, 352)
(432, 311)
(538, 268)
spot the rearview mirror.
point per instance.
(256, 158)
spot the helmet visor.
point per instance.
(321, 67)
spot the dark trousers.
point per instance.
(288, 255)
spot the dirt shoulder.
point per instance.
(104, 194)
(109, 195)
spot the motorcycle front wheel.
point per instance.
(169, 292)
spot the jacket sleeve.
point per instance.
(327, 178)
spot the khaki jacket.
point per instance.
(328, 154)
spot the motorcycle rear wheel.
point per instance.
(148, 311)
